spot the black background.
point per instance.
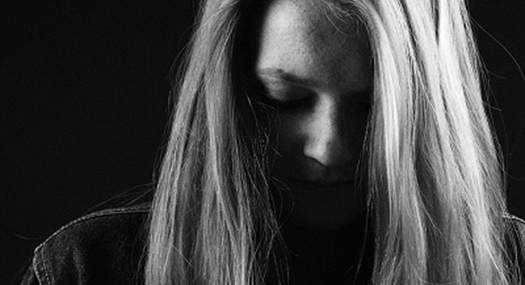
(84, 105)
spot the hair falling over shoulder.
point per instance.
(435, 176)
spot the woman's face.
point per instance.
(316, 70)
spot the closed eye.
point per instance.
(285, 97)
(290, 105)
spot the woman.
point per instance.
(315, 142)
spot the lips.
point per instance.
(320, 185)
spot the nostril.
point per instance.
(329, 151)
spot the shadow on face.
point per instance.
(313, 69)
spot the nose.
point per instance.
(329, 139)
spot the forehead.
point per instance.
(306, 38)
(306, 17)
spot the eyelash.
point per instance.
(294, 105)
(302, 101)
(288, 105)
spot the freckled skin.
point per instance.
(322, 141)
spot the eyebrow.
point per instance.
(280, 75)
(271, 75)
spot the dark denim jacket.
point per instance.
(101, 248)
(107, 248)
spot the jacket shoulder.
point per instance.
(518, 225)
(517, 249)
(519, 222)
(104, 247)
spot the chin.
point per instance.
(325, 211)
(321, 225)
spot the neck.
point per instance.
(330, 257)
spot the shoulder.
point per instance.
(519, 224)
(516, 236)
(517, 227)
(100, 248)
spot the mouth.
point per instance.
(321, 186)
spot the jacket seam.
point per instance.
(141, 209)
(518, 219)
(520, 226)
(40, 268)
(39, 261)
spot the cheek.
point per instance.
(288, 139)
(287, 144)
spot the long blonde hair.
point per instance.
(435, 182)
